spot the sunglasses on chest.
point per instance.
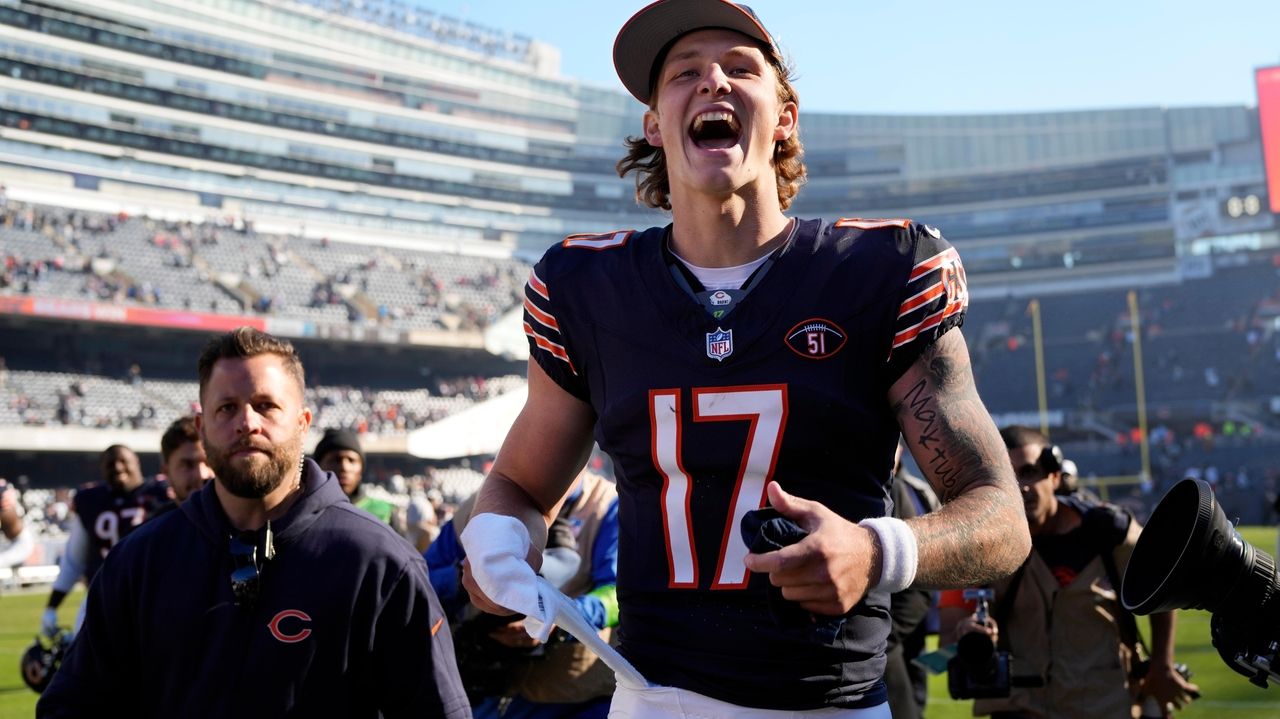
(246, 578)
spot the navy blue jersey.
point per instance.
(699, 412)
(110, 516)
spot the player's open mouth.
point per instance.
(715, 130)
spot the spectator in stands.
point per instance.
(106, 513)
(269, 594)
(339, 451)
(563, 679)
(911, 609)
(182, 458)
(1059, 615)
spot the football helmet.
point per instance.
(41, 660)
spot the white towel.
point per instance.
(565, 613)
(497, 548)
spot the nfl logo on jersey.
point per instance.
(719, 344)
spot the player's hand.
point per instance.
(827, 572)
(49, 622)
(478, 597)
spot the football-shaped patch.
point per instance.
(816, 338)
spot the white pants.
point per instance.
(631, 702)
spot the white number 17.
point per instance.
(765, 407)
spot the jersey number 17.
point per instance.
(765, 408)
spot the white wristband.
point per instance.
(899, 553)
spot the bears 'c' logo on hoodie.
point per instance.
(280, 629)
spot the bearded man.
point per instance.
(267, 593)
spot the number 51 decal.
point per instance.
(765, 407)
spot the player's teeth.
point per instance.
(720, 116)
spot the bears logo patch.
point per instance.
(816, 338)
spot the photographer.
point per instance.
(1059, 615)
(507, 672)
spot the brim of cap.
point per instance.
(649, 32)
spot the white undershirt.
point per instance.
(723, 278)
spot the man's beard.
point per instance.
(251, 478)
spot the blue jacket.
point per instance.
(445, 555)
(345, 623)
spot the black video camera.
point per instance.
(487, 666)
(1190, 557)
(979, 670)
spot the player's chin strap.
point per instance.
(497, 547)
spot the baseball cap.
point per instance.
(645, 38)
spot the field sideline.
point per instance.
(1227, 695)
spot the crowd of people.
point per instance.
(130, 402)
(746, 562)
(85, 247)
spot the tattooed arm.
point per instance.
(980, 533)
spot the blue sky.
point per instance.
(931, 57)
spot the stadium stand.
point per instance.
(228, 267)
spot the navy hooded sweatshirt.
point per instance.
(345, 625)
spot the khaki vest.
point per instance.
(1070, 637)
(569, 673)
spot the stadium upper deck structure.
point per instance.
(411, 140)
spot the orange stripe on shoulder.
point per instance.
(924, 267)
(546, 318)
(538, 285)
(869, 223)
(552, 348)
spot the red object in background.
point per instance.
(1202, 430)
(1269, 121)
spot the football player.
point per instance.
(737, 357)
(106, 513)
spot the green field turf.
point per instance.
(1226, 694)
(19, 623)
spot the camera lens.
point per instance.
(975, 649)
(1190, 557)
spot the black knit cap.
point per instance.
(337, 439)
